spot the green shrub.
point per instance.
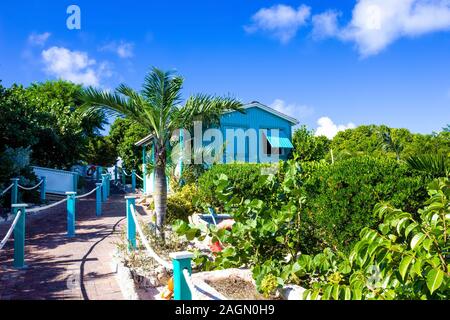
(180, 204)
(242, 177)
(340, 197)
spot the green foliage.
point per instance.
(180, 204)
(307, 147)
(434, 165)
(100, 151)
(123, 136)
(407, 258)
(243, 178)
(264, 230)
(382, 141)
(340, 196)
(46, 117)
(15, 163)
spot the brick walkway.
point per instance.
(62, 268)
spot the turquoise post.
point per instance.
(71, 214)
(99, 173)
(181, 156)
(133, 181)
(98, 200)
(131, 225)
(19, 236)
(181, 261)
(108, 185)
(43, 189)
(115, 173)
(104, 188)
(124, 179)
(15, 190)
(144, 169)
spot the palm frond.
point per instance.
(207, 108)
(433, 165)
(112, 104)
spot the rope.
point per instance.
(11, 229)
(147, 246)
(47, 207)
(87, 194)
(139, 177)
(190, 284)
(6, 190)
(124, 172)
(32, 188)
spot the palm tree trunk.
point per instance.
(160, 197)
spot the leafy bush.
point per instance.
(15, 163)
(407, 258)
(180, 204)
(340, 196)
(242, 177)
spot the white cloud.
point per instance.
(376, 24)
(294, 110)
(75, 66)
(281, 21)
(122, 49)
(325, 24)
(38, 39)
(329, 129)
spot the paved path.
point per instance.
(63, 268)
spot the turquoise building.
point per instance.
(258, 135)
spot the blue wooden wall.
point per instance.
(257, 119)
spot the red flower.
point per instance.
(215, 247)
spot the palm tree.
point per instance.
(158, 107)
(391, 144)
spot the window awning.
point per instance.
(279, 140)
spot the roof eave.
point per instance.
(145, 141)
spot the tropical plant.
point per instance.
(123, 136)
(157, 107)
(389, 143)
(308, 147)
(407, 258)
(341, 195)
(447, 128)
(434, 165)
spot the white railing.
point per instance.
(6, 190)
(46, 207)
(87, 194)
(146, 244)
(11, 229)
(30, 188)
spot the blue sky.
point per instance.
(348, 62)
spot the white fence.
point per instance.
(58, 181)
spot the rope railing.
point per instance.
(146, 244)
(47, 207)
(6, 190)
(191, 286)
(139, 177)
(30, 188)
(11, 229)
(87, 194)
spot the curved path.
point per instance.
(61, 268)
